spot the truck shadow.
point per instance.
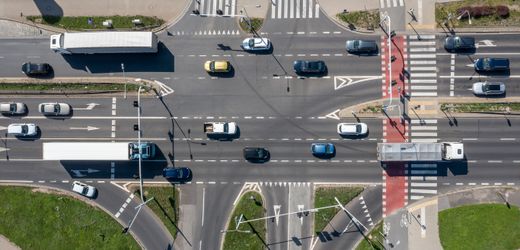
(162, 61)
(425, 168)
(122, 169)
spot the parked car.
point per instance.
(253, 154)
(177, 174)
(84, 189)
(362, 47)
(35, 69)
(12, 108)
(323, 150)
(54, 108)
(456, 44)
(217, 66)
(491, 64)
(22, 129)
(302, 67)
(356, 129)
(256, 44)
(489, 88)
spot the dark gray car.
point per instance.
(487, 64)
(456, 44)
(362, 47)
(36, 69)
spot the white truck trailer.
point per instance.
(220, 128)
(420, 151)
(97, 151)
(104, 42)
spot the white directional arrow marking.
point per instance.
(470, 65)
(485, 43)
(334, 115)
(343, 81)
(4, 149)
(90, 106)
(88, 128)
(3, 128)
(277, 213)
(77, 172)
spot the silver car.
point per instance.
(22, 129)
(54, 108)
(84, 189)
(489, 88)
(356, 129)
(12, 108)
(256, 43)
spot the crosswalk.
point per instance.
(422, 66)
(391, 3)
(422, 176)
(289, 9)
(228, 7)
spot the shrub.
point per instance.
(502, 11)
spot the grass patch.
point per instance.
(82, 23)
(480, 107)
(256, 24)
(373, 240)
(165, 205)
(442, 10)
(373, 109)
(324, 196)
(68, 87)
(364, 19)
(251, 209)
(483, 226)
(36, 220)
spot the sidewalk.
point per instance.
(416, 226)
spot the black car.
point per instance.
(456, 44)
(362, 47)
(309, 67)
(177, 174)
(34, 69)
(491, 65)
(256, 154)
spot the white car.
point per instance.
(12, 108)
(22, 129)
(54, 108)
(84, 189)
(352, 129)
(489, 88)
(256, 43)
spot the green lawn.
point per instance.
(480, 107)
(165, 205)
(486, 226)
(373, 240)
(361, 19)
(251, 209)
(68, 86)
(81, 22)
(324, 196)
(256, 24)
(35, 220)
(442, 10)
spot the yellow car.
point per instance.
(217, 66)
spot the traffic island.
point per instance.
(251, 25)
(374, 240)
(45, 218)
(247, 235)
(165, 204)
(365, 20)
(86, 23)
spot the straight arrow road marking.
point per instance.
(2, 149)
(88, 128)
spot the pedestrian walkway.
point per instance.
(289, 9)
(213, 7)
(391, 3)
(422, 66)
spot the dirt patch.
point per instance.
(5, 244)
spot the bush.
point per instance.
(502, 11)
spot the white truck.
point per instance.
(446, 151)
(220, 128)
(104, 42)
(97, 151)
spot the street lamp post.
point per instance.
(461, 15)
(123, 69)
(139, 140)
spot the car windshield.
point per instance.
(486, 63)
(356, 44)
(358, 128)
(260, 153)
(12, 107)
(56, 108)
(212, 66)
(491, 87)
(25, 128)
(252, 43)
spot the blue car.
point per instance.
(323, 150)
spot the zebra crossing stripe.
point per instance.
(273, 9)
(291, 6)
(304, 9)
(285, 10)
(233, 6)
(298, 7)
(427, 121)
(317, 9)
